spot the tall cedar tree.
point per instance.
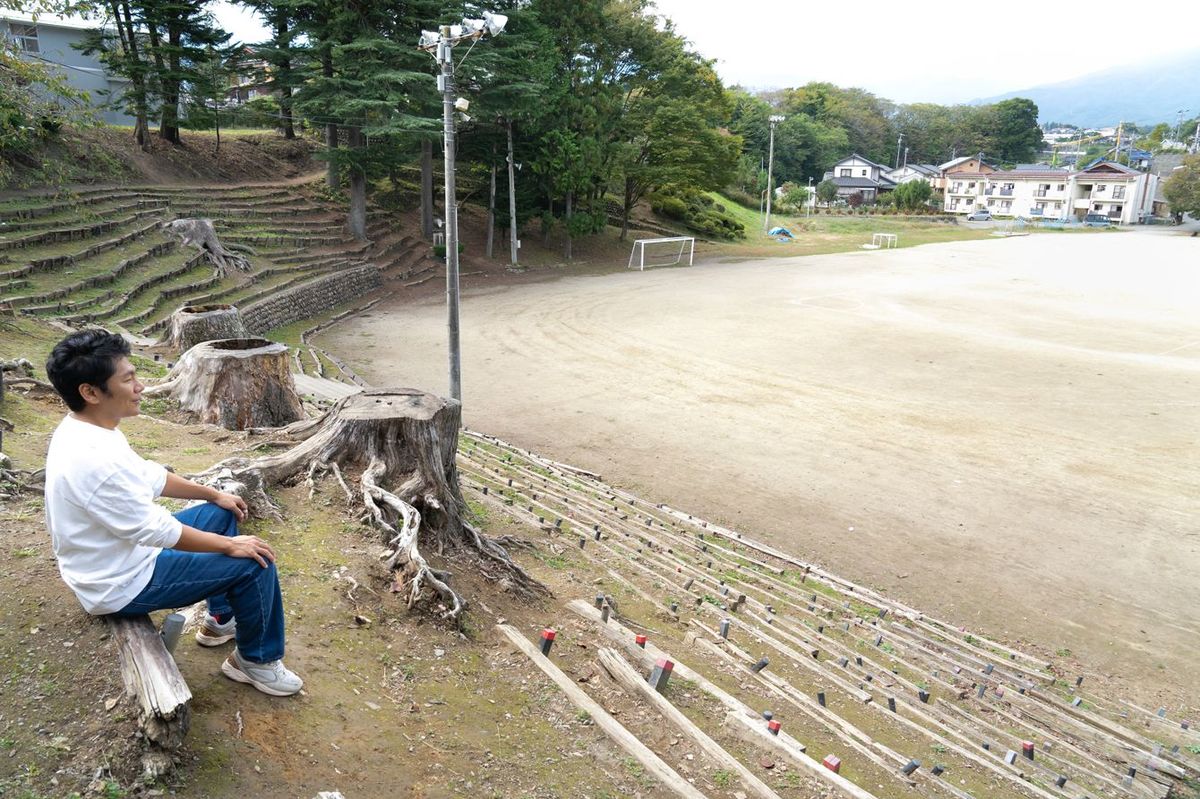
(367, 81)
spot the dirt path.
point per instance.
(1001, 432)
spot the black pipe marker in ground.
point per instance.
(725, 628)
(911, 766)
(760, 665)
(821, 698)
(937, 770)
(604, 614)
(768, 715)
(923, 695)
(547, 640)
(1060, 782)
(892, 703)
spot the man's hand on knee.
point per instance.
(250, 546)
(232, 503)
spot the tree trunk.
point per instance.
(193, 324)
(285, 72)
(567, 243)
(137, 74)
(356, 222)
(427, 189)
(403, 443)
(626, 208)
(236, 383)
(332, 178)
(491, 223)
(168, 129)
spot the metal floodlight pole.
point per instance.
(770, 166)
(811, 199)
(441, 45)
(445, 56)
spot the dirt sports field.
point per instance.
(1003, 433)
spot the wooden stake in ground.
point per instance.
(613, 728)
(402, 442)
(199, 233)
(192, 324)
(236, 383)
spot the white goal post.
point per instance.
(638, 253)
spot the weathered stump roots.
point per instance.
(236, 383)
(199, 233)
(402, 442)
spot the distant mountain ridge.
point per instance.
(1150, 92)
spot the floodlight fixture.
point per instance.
(456, 31)
(494, 22)
(776, 118)
(429, 40)
(464, 117)
(473, 27)
(462, 104)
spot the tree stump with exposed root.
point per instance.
(192, 324)
(236, 383)
(201, 234)
(401, 444)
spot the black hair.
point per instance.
(87, 357)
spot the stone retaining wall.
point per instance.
(310, 299)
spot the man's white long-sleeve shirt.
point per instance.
(106, 528)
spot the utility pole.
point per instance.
(445, 56)
(811, 199)
(1195, 141)
(512, 201)
(899, 141)
(440, 44)
(774, 120)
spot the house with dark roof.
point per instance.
(859, 175)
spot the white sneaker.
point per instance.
(213, 634)
(272, 678)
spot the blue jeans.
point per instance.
(237, 585)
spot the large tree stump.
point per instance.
(402, 443)
(201, 234)
(236, 383)
(192, 324)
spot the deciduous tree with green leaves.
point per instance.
(827, 191)
(1182, 189)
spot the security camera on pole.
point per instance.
(440, 44)
(774, 120)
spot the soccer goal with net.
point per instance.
(663, 252)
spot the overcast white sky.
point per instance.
(941, 51)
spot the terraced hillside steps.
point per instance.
(99, 255)
(895, 685)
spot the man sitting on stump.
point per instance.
(124, 554)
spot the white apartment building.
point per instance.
(1039, 192)
(1124, 195)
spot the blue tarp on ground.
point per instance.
(780, 231)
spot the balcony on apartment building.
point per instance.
(1006, 192)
